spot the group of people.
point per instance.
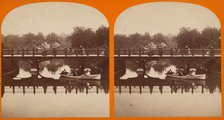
(76, 72)
(181, 72)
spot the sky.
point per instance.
(164, 17)
(48, 17)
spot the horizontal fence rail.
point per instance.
(55, 52)
(167, 53)
(117, 53)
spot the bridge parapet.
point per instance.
(167, 53)
(55, 53)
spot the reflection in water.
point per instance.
(157, 70)
(56, 74)
(33, 94)
(23, 74)
(129, 74)
(157, 74)
(50, 74)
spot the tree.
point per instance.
(146, 39)
(188, 37)
(53, 38)
(82, 36)
(102, 36)
(159, 38)
(120, 41)
(39, 39)
(28, 40)
(211, 37)
(11, 41)
(134, 41)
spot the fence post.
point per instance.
(33, 51)
(182, 52)
(44, 53)
(2, 52)
(22, 51)
(192, 52)
(98, 52)
(27, 51)
(12, 52)
(171, 52)
(65, 51)
(160, 52)
(212, 52)
(76, 52)
(151, 52)
(129, 52)
(87, 52)
(139, 52)
(118, 52)
(203, 52)
(54, 52)
(36, 51)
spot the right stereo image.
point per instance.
(167, 61)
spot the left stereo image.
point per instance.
(55, 61)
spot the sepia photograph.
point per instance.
(167, 61)
(55, 61)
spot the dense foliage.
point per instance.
(192, 38)
(81, 36)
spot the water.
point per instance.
(167, 103)
(63, 102)
(159, 68)
(55, 105)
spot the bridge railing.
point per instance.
(167, 52)
(55, 52)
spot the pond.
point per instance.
(167, 103)
(23, 101)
